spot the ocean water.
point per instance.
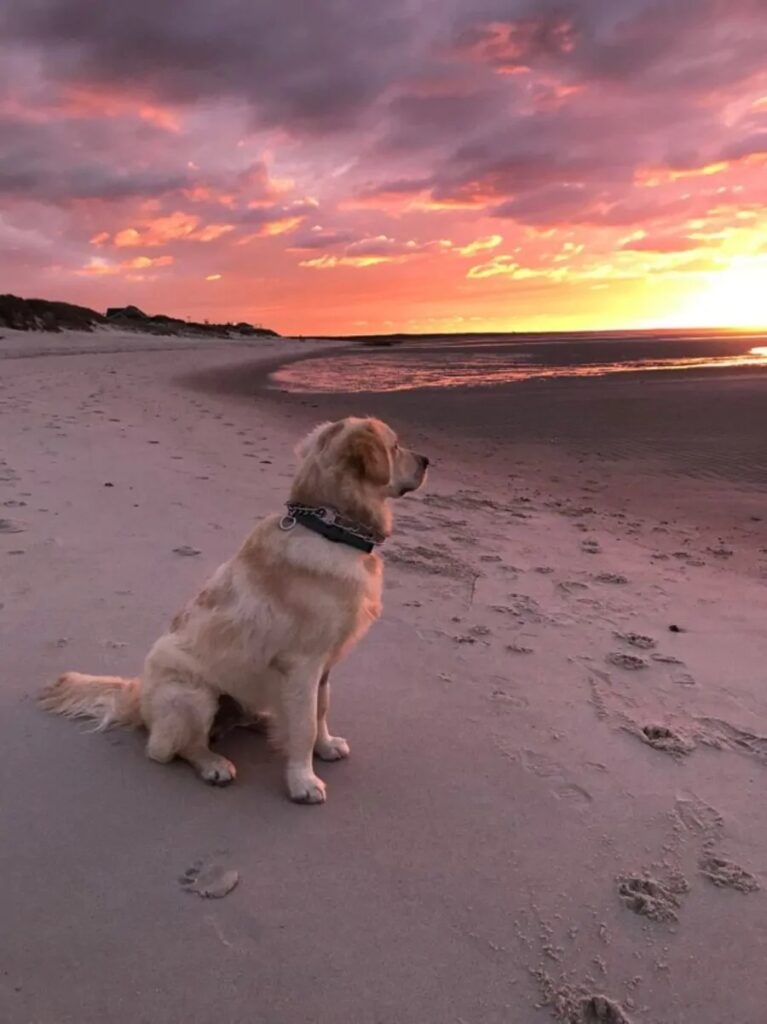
(455, 362)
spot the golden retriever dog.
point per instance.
(270, 624)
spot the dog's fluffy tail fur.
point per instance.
(107, 700)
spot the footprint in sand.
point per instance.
(10, 526)
(209, 881)
(501, 696)
(650, 898)
(590, 547)
(474, 633)
(525, 609)
(661, 737)
(571, 586)
(727, 875)
(628, 661)
(431, 561)
(569, 1004)
(600, 1010)
(699, 817)
(611, 577)
(666, 659)
(572, 793)
(721, 552)
(721, 735)
(644, 643)
(547, 768)
(186, 550)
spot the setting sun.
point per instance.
(736, 297)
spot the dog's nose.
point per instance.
(424, 461)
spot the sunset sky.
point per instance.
(338, 166)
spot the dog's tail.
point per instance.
(107, 700)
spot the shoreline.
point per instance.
(15, 344)
(560, 436)
(641, 333)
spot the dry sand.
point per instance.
(554, 807)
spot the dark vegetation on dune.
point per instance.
(44, 315)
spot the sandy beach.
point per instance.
(554, 807)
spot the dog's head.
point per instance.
(354, 465)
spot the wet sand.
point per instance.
(554, 806)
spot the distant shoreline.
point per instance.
(622, 334)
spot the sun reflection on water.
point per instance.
(409, 370)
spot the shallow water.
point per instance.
(471, 362)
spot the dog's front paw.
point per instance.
(332, 749)
(306, 788)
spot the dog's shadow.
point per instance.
(242, 738)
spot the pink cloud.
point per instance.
(512, 46)
(479, 245)
(98, 267)
(368, 252)
(174, 227)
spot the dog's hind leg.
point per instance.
(327, 747)
(179, 716)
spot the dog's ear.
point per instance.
(368, 455)
(319, 438)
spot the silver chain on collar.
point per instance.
(331, 517)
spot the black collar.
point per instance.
(332, 525)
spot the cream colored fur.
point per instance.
(269, 625)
